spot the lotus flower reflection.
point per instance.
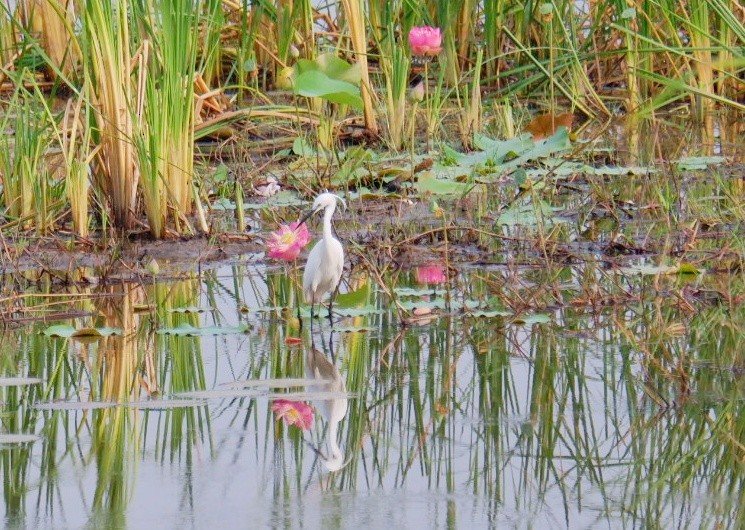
(296, 413)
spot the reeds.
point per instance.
(136, 62)
(106, 44)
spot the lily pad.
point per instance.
(650, 269)
(437, 303)
(187, 330)
(354, 329)
(699, 162)
(230, 393)
(75, 405)
(19, 381)
(18, 438)
(538, 318)
(317, 84)
(282, 382)
(354, 298)
(165, 404)
(67, 331)
(280, 199)
(412, 291)
(529, 215)
(428, 183)
(333, 66)
(488, 313)
(188, 310)
(305, 396)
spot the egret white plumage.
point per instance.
(333, 410)
(325, 263)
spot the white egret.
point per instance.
(333, 409)
(325, 263)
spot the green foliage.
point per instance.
(330, 78)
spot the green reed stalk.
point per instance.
(76, 138)
(354, 12)
(448, 17)
(23, 172)
(165, 139)
(211, 50)
(702, 59)
(107, 58)
(396, 74)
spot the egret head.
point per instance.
(323, 201)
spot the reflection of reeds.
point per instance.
(117, 430)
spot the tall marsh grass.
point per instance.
(136, 61)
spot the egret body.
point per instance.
(325, 263)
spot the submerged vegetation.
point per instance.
(540, 308)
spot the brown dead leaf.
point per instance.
(545, 125)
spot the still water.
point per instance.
(472, 415)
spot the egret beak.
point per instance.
(306, 216)
(343, 204)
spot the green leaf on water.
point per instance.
(74, 405)
(222, 393)
(699, 162)
(538, 318)
(354, 298)
(317, 84)
(357, 312)
(687, 268)
(354, 329)
(8, 438)
(19, 381)
(418, 291)
(332, 66)
(557, 143)
(489, 313)
(648, 269)
(520, 176)
(428, 183)
(187, 330)
(301, 147)
(529, 214)
(187, 309)
(221, 173)
(341, 311)
(67, 331)
(166, 404)
(437, 303)
(281, 199)
(249, 65)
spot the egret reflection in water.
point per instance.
(333, 409)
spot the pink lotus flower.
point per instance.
(425, 40)
(287, 242)
(296, 413)
(431, 274)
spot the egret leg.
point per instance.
(331, 346)
(331, 304)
